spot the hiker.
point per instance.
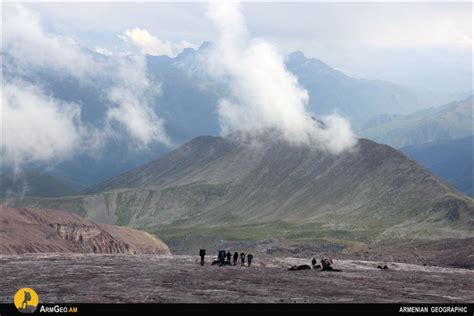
(228, 256)
(26, 299)
(326, 263)
(236, 258)
(242, 259)
(313, 263)
(249, 259)
(202, 254)
(221, 257)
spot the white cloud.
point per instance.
(38, 127)
(422, 43)
(152, 45)
(33, 49)
(132, 94)
(35, 126)
(103, 51)
(418, 43)
(264, 96)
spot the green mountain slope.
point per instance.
(211, 191)
(452, 121)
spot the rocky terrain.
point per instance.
(48, 231)
(456, 253)
(92, 278)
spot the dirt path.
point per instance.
(63, 278)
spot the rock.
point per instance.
(300, 267)
(46, 231)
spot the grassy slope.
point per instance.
(372, 195)
(451, 121)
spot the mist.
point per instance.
(38, 127)
(263, 97)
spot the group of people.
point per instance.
(227, 259)
(324, 266)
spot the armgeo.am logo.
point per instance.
(26, 300)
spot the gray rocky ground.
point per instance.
(86, 278)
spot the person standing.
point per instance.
(242, 259)
(221, 257)
(236, 258)
(249, 259)
(202, 254)
(228, 257)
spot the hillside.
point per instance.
(188, 100)
(332, 91)
(451, 121)
(35, 184)
(271, 195)
(451, 160)
(45, 231)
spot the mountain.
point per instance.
(269, 195)
(30, 231)
(35, 184)
(451, 160)
(188, 100)
(331, 90)
(451, 121)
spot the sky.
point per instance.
(427, 45)
(424, 44)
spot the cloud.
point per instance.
(39, 127)
(263, 96)
(152, 45)
(132, 94)
(407, 42)
(103, 51)
(33, 49)
(35, 126)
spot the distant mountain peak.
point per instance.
(297, 56)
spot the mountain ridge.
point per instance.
(213, 188)
(188, 102)
(451, 121)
